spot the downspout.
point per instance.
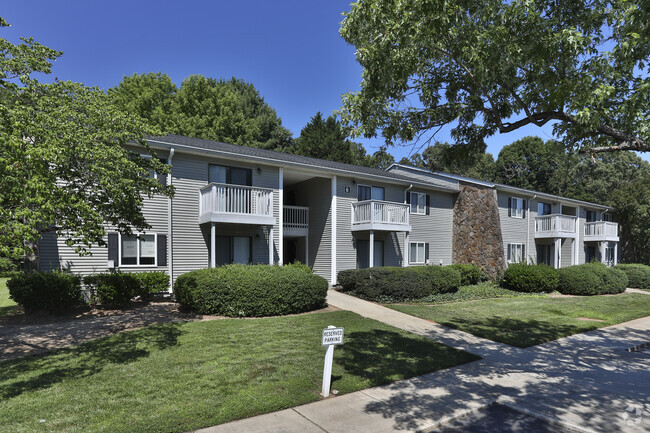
(406, 191)
(170, 241)
(528, 230)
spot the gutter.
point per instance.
(170, 241)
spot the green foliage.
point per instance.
(63, 165)
(251, 290)
(393, 284)
(638, 275)
(430, 64)
(7, 265)
(113, 289)
(530, 278)
(231, 111)
(151, 282)
(591, 279)
(51, 292)
(484, 290)
(632, 204)
(469, 273)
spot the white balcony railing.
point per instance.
(601, 230)
(225, 203)
(296, 219)
(380, 215)
(555, 225)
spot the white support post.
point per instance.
(333, 210)
(558, 252)
(271, 261)
(281, 216)
(616, 254)
(371, 249)
(574, 247)
(579, 235)
(407, 249)
(213, 245)
(601, 248)
(327, 369)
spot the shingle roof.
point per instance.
(270, 155)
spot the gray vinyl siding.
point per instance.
(436, 229)
(346, 253)
(49, 259)
(565, 259)
(514, 230)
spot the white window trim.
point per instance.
(424, 253)
(424, 201)
(138, 265)
(514, 208)
(521, 248)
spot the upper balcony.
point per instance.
(380, 215)
(601, 231)
(236, 204)
(295, 221)
(555, 226)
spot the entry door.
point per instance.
(363, 254)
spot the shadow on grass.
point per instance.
(9, 311)
(384, 356)
(516, 332)
(36, 372)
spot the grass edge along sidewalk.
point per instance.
(525, 322)
(184, 376)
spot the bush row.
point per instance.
(587, 279)
(637, 274)
(58, 292)
(251, 290)
(399, 284)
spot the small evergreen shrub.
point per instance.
(52, 292)
(251, 290)
(637, 274)
(522, 277)
(591, 279)
(151, 282)
(114, 289)
(469, 274)
(347, 279)
(442, 279)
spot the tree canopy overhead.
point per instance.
(63, 166)
(493, 66)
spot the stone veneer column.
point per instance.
(477, 237)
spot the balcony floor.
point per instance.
(236, 218)
(381, 227)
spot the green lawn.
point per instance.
(183, 376)
(7, 306)
(526, 322)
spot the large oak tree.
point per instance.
(488, 66)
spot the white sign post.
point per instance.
(331, 337)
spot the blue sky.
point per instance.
(290, 50)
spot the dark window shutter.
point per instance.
(162, 250)
(408, 197)
(524, 211)
(508, 252)
(523, 253)
(509, 206)
(426, 252)
(428, 204)
(113, 241)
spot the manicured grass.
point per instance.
(183, 376)
(485, 290)
(526, 322)
(7, 306)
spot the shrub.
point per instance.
(469, 274)
(7, 265)
(113, 290)
(53, 292)
(637, 274)
(151, 282)
(391, 284)
(522, 277)
(348, 279)
(591, 279)
(251, 290)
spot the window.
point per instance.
(138, 250)
(516, 207)
(543, 208)
(230, 175)
(418, 203)
(417, 253)
(516, 253)
(590, 254)
(366, 192)
(544, 256)
(233, 249)
(608, 217)
(591, 216)
(609, 256)
(363, 254)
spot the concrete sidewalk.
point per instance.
(588, 382)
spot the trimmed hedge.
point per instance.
(251, 290)
(399, 284)
(151, 282)
(113, 290)
(52, 292)
(637, 274)
(469, 274)
(522, 277)
(591, 279)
